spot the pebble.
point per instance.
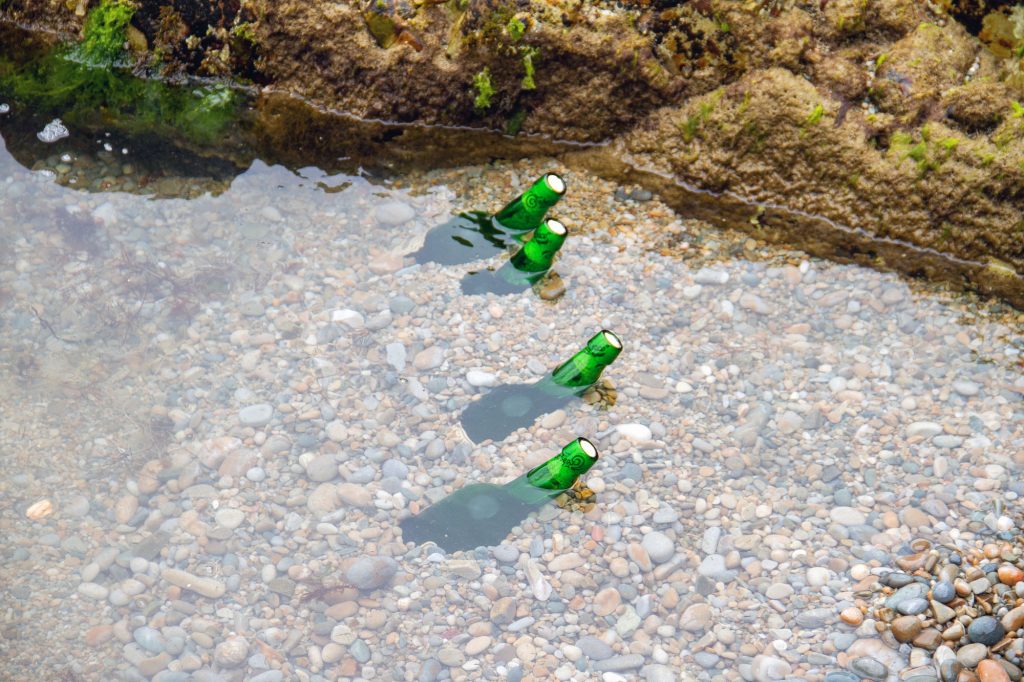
(93, 591)
(966, 388)
(478, 645)
(768, 668)
(847, 516)
(658, 546)
(943, 591)
(696, 618)
(479, 378)
(593, 648)
(321, 468)
(869, 667)
(923, 430)
(638, 433)
(619, 663)
(710, 276)
(985, 630)
(906, 628)
(970, 655)
(205, 587)
(369, 573)
(991, 671)
(232, 652)
(429, 358)
(256, 415)
(606, 601)
(229, 518)
(394, 213)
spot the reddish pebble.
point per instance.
(991, 671)
(852, 616)
(597, 532)
(98, 635)
(1010, 574)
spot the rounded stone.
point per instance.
(912, 607)
(985, 630)
(393, 213)
(149, 639)
(322, 468)
(906, 628)
(870, 668)
(232, 652)
(943, 592)
(659, 547)
(817, 576)
(229, 518)
(369, 573)
(506, 553)
(256, 415)
(779, 591)
(969, 656)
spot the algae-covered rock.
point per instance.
(774, 137)
(978, 105)
(920, 67)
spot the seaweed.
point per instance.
(106, 32)
(927, 154)
(528, 54)
(88, 83)
(484, 89)
(693, 122)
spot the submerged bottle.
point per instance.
(526, 267)
(483, 514)
(475, 235)
(512, 406)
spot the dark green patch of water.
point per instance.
(513, 406)
(479, 515)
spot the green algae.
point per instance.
(88, 83)
(106, 32)
(528, 54)
(484, 89)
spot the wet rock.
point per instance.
(256, 415)
(985, 630)
(659, 547)
(393, 213)
(593, 648)
(369, 573)
(768, 668)
(206, 587)
(232, 652)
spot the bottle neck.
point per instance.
(526, 211)
(584, 368)
(557, 474)
(539, 253)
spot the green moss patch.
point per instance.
(88, 84)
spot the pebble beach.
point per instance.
(216, 409)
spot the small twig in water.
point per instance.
(49, 327)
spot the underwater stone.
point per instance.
(394, 213)
(54, 130)
(369, 573)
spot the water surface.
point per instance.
(244, 378)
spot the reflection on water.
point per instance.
(214, 406)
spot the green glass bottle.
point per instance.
(526, 267)
(512, 406)
(476, 235)
(526, 211)
(482, 514)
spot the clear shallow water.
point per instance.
(253, 386)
